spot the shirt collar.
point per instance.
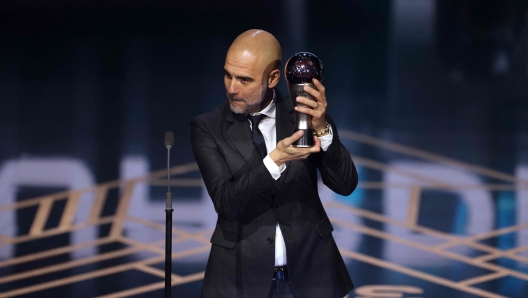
(268, 110)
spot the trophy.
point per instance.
(300, 69)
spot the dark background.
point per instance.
(102, 81)
(97, 80)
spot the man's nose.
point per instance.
(231, 87)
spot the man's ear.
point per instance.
(273, 78)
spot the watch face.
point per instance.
(303, 67)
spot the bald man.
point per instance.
(272, 237)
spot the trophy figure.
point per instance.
(300, 69)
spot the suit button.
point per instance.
(336, 161)
(269, 240)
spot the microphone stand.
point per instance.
(169, 142)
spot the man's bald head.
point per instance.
(260, 44)
(252, 71)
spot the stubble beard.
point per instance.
(254, 104)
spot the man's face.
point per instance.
(244, 83)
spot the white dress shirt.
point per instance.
(267, 127)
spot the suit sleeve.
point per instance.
(232, 197)
(337, 169)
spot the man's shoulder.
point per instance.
(213, 116)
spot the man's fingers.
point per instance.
(319, 86)
(317, 144)
(317, 141)
(313, 92)
(287, 142)
(304, 110)
(297, 135)
(321, 92)
(294, 137)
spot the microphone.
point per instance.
(169, 143)
(169, 139)
(300, 69)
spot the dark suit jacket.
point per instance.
(249, 203)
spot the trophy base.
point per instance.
(306, 140)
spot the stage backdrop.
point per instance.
(430, 98)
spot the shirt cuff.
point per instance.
(273, 168)
(326, 141)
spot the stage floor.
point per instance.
(419, 224)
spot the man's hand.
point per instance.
(286, 152)
(317, 108)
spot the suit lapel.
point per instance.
(239, 133)
(285, 123)
(285, 118)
